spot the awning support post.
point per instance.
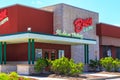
(86, 53)
(29, 50)
(33, 51)
(0, 52)
(4, 52)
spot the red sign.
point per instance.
(81, 23)
(3, 14)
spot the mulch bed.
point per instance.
(21, 78)
(80, 77)
(32, 79)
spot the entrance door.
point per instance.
(50, 54)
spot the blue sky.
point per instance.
(109, 10)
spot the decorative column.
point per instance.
(29, 50)
(86, 53)
(4, 52)
(0, 52)
(33, 51)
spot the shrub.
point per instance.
(60, 66)
(4, 76)
(13, 76)
(94, 65)
(107, 63)
(40, 65)
(75, 69)
(110, 64)
(116, 64)
(66, 67)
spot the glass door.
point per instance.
(50, 54)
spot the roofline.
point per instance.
(70, 6)
(109, 24)
(24, 6)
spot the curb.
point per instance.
(105, 78)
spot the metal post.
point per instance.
(4, 52)
(0, 52)
(85, 53)
(33, 51)
(29, 50)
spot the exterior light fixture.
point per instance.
(29, 29)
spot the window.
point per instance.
(107, 52)
(60, 53)
(52, 56)
(38, 53)
(118, 52)
(46, 55)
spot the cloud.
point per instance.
(37, 2)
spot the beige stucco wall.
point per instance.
(64, 16)
(8, 68)
(105, 40)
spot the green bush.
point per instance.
(94, 64)
(66, 67)
(60, 66)
(40, 65)
(13, 76)
(107, 63)
(116, 65)
(75, 69)
(110, 64)
(4, 76)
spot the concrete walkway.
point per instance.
(44, 78)
(100, 77)
(104, 75)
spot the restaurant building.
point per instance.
(51, 32)
(109, 40)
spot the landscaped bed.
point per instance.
(21, 78)
(84, 76)
(13, 76)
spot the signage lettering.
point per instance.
(81, 23)
(77, 35)
(3, 16)
(87, 29)
(4, 20)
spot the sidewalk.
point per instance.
(100, 76)
(85, 76)
(45, 78)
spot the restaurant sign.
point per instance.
(3, 17)
(83, 24)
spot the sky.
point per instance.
(109, 10)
